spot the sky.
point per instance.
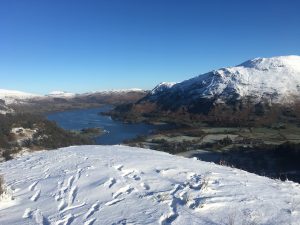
(93, 45)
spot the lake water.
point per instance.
(91, 118)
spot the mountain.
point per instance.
(269, 81)
(276, 79)
(123, 185)
(12, 96)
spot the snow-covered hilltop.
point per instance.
(12, 96)
(274, 79)
(123, 185)
(163, 86)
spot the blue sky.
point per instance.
(91, 45)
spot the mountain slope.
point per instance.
(123, 185)
(271, 80)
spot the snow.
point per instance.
(275, 79)
(115, 91)
(12, 96)
(61, 94)
(163, 86)
(125, 185)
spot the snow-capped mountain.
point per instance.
(12, 96)
(162, 87)
(122, 185)
(275, 80)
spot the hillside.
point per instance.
(123, 185)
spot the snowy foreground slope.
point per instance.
(123, 185)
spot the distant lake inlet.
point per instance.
(116, 131)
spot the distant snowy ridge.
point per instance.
(275, 79)
(116, 91)
(12, 96)
(15, 97)
(61, 94)
(124, 185)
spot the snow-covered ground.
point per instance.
(123, 185)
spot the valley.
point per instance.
(149, 112)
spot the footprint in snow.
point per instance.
(70, 181)
(36, 196)
(145, 186)
(40, 219)
(27, 213)
(110, 182)
(72, 195)
(62, 205)
(33, 185)
(113, 202)
(90, 221)
(94, 208)
(124, 190)
(67, 220)
(118, 167)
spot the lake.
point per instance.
(117, 131)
